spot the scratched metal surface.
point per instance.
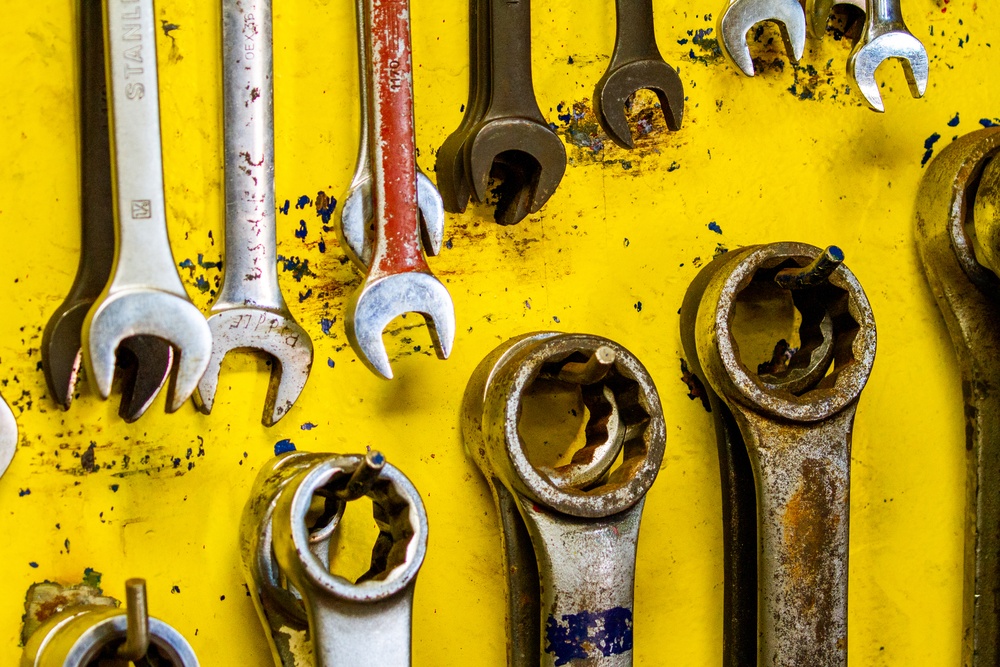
(790, 155)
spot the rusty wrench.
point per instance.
(886, 36)
(741, 15)
(399, 280)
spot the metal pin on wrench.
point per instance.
(741, 15)
(957, 233)
(636, 64)
(569, 539)
(250, 311)
(399, 280)
(818, 14)
(886, 36)
(145, 295)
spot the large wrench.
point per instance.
(145, 295)
(250, 311)
(568, 535)
(962, 185)
(886, 36)
(741, 15)
(399, 280)
(636, 63)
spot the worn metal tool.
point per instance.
(957, 238)
(145, 295)
(83, 635)
(741, 15)
(636, 64)
(784, 434)
(818, 14)
(399, 280)
(568, 533)
(143, 361)
(286, 560)
(8, 436)
(250, 312)
(886, 36)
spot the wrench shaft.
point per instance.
(635, 37)
(347, 634)
(511, 89)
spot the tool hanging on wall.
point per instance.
(741, 15)
(884, 37)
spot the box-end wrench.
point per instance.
(144, 361)
(357, 230)
(741, 15)
(511, 140)
(569, 535)
(145, 295)
(250, 311)
(886, 36)
(399, 280)
(636, 64)
(818, 14)
(798, 445)
(956, 234)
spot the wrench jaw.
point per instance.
(870, 53)
(619, 84)
(61, 350)
(452, 179)
(742, 15)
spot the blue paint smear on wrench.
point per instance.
(588, 634)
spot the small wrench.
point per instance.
(741, 15)
(399, 280)
(818, 14)
(145, 295)
(636, 64)
(886, 36)
(569, 539)
(250, 311)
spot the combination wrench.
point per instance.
(636, 64)
(250, 311)
(957, 239)
(399, 280)
(145, 295)
(886, 36)
(741, 15)
(569, 533)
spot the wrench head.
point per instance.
(818, 13)
(741, 15)
(8, 436)
(61, 350)
(452, 180)
(531, 158)
(618, 84)
(275, 334)
(869, 53)
(380, 301)
(145, 312)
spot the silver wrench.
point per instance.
(250, 311)
(741, 15)
(886, 36)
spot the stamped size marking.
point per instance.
(269, 326)
(250, 33)
(142, 209)
(395, 76)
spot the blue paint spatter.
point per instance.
(114, 488)
(302, 202)
(187, 264)
(330, 362)
(308, 426)
(326, 324)
(302, 231)
(929, 148)
(325, 206)
(21, 493)
(33, 564)
(305, 295)
(283, 447)
(201, 284)
(208, 265)
(954, 121)
(299, 268)
(714, 226)
(589, 635)
(284, 207)
(986, 122)
(92, 578)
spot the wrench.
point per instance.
(61, 348)
(145, 295)
(818, 14)
(636, 63)
(356, 229)
(741, 15)
(963, 182)
(786, 453)
(886, 36)
(569, 541)
(399, 280)
(250, 311)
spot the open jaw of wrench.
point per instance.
(818, 13)
(956, 234)
(885, 36)
(741, 15)
(636, 64)
(784, 438)
(286, 541)
(145, 296)
(399, 280)
(568, 531)
(250, 311)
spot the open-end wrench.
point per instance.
(568, 539)
(957, 238)
(144, 361)
(511, 140)
(795, 470)
(399, 280)
(886, 36)
(636, 64)
(357, 229)
(250, 311)
(818, 14)
(741, 15)
(145, 295)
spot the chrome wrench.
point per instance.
(886, 36)
(741, 15)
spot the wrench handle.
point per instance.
(512, 92)
(143, 254)
(344, 633)
(635, 36)
(884, 16)
(250, 277)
